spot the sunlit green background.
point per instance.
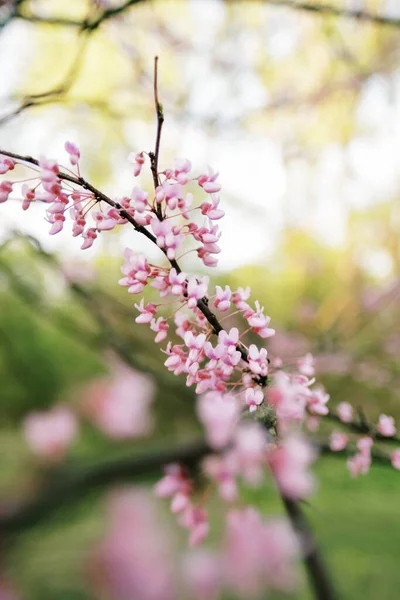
(301, 115)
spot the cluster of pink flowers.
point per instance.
(359, 463)
(134, 560)
(251, 409)
(118, 405)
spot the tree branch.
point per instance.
(66, 485)
(160, 120)
(308, 7)
(87, 24)
(335, 11)
(315, 566)
(53, 94)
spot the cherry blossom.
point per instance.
(219, 414)
(73, 151)
(338, 441)
(119, 405)
(386, 426)
(50, 434)
(345, 412)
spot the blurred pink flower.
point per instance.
(133, 562)
(395, 458)
(360, 463)
(49, 434)
(345, 412)
(306, 365)
(201, 572)
(386, 426)
(258, 553)
(119, 405)
(290, 462)
(219, 413)
(338, 441)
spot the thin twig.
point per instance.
(160, 120)
(336, 11)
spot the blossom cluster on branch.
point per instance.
(252, 409)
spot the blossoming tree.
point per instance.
(254, 410)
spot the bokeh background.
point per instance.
(300, 113)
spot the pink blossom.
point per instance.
(254, 398)
(196, 290)
(182, 170)
(222, 469)
(211, 210)
(219, 413)
(290, 462)
(229, 339)
(359, 464)
(177, 282)
(395, 458)
(146, 312)
(258, 361)
(306, 365)
(28, 195)
(50, 434)
(240, 297)
(195, 344)
(209, 182)
(259, 322)
(345, 412)
(134, 560)
(223, 298)
(338, 441)
(316, 401)
(168, 236)
(119, 405)
(103, 221)
(88, 238)
(136, 270)
(73, 151)
(5, 190)
(289, 398)
(139, 198)
(195, 519)
(138, 162)
(248, 453)
(175, 481)
(386, 426)
(365, 444)
(6, 164)
(258, 553)
(176, 360)
(160, 326)
(202, 575)
(57, 223)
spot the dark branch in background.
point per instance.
(335, 11)
(53, 94)
(314, 9)
(67, 485)
(316, 569)
(87, 24)
(363, 426)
